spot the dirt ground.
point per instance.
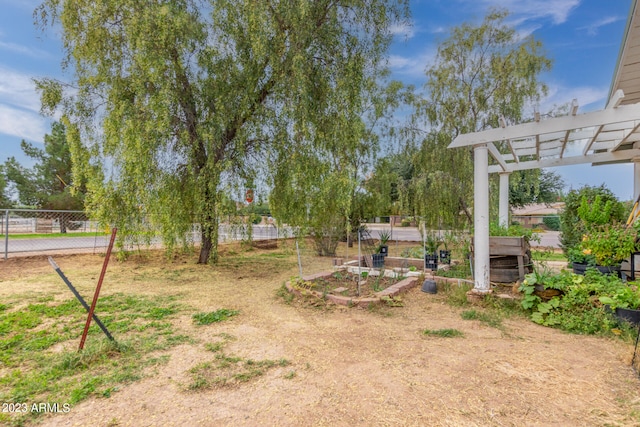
(351, 366)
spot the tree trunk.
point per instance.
(210, 232)
(209, 245)
(63, 223)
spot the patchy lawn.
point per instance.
(201, 345)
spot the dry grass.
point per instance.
(346, 366)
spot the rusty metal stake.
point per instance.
(97, 293)
(79, 297)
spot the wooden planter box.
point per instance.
(509, 259)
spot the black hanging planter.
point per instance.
(431, 261)
(445, 256)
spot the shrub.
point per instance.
(578, 308)
(552, 222)
(572, 228)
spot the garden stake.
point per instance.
(97, 293)
(79, 297)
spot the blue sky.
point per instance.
(582, 37)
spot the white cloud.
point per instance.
(24, 50)
(412, 67)
(589, 98)
(18, 89)
(22, 124)
(405, 30)
(592, 29)
(557, 10)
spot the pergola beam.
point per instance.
(615, 156)
(496, 155)
(624, 113)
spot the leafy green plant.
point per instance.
(384, 237)
(609, 244)
(578, 309)
(596, 212)
(431, 242)
(624, 296)
(572, 227)
(514, 230)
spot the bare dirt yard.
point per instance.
(330, 365)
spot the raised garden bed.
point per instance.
(340, 287)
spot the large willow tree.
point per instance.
(172, 101)
(480, 73)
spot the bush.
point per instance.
(572, 228)
(577, 309)
(552, 222)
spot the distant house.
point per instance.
(532, 216)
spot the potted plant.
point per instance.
(445, 254)
(383, 248)
(431, 244)
(625, 302)
(607, 246)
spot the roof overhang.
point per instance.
(627, 72)
(611, 135)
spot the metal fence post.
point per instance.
(6, 234)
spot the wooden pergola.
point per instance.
(611, 135)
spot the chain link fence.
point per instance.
(26, 231)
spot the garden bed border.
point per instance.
(390, 292)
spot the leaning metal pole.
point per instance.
(97, 293)
(79, 297)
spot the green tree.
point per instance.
(5, 201)
(48, 184)
(572, 227)
(178, 101)
(534, 186)
(480, 73)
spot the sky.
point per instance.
(581, 37)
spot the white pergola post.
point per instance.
(481, 218)
(503, 208)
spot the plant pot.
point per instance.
(431, 261)
(579, 268)
(628, 315)
(609, 269)
(445, 256)
(378, 260)
(384, 250)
